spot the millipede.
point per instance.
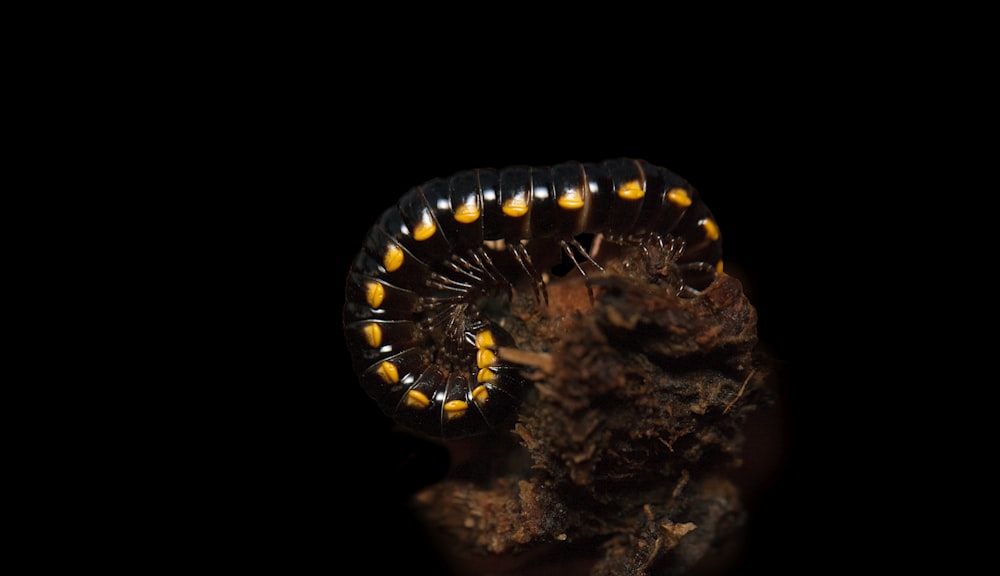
(422, 342)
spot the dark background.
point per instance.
(270, 145)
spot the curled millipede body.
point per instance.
(423, 346)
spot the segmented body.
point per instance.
(421, 344)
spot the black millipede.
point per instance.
(421, 344)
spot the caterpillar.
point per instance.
(421, 342)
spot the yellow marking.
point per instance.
(425, 228)
(467, 213)
(631, 190)
(572, 199)
(374, 294)
(485, 375)
(455, 408)
(485, 340)
(388, 371)
(373, 334)
(485, 358)
(718, 267)
(417, 399)
(679, 197)
(711, 228)
(480, 394)
(516, 206)
(393, 258)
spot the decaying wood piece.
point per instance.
(625, 443)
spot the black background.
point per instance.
(266, 148)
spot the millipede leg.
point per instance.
(574, 243)
(568, 246)
(522, 257)
(464, 267)
(487, 265)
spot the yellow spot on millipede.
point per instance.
(388, 371)
(467, 213)
(516, 206)
(455, 408)
(571, 199)
(631, 190)
(485, 340)
(480, 394)
(417, 399)
(485, 358)
(373, 334)
(679, 197)
(711, 228)
(393, 258)
(485, 375)
(425, 228)
(718, 267)
(374, 294)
